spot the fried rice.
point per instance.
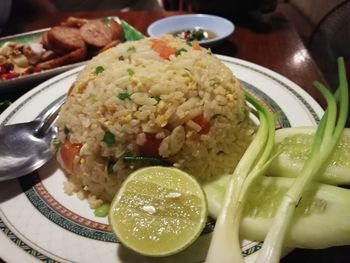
(151, 101)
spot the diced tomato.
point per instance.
(2, 70)
(68, 152)
(204, 123)
(151, 146)
(9, 75)
(162, 48)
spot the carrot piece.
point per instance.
(162, 48)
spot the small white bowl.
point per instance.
(218, 25)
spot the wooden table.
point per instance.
(277, 47)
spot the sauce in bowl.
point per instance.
(194, 34)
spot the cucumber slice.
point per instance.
(295, 146)
(322, 218)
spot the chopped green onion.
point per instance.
(110, 164)
(102, 211)
(65, 130)
(143, 159)
(131, 49)
(189, 43)
(123, 95)
(99, 69)
(157, 99)
(109, 138)
(178, 51)
(131, 72)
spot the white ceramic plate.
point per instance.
(218, 25)
(39, 222)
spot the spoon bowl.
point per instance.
(25, 147)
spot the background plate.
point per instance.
(130, 33)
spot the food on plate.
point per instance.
(76, 39)
(153, 101)
(171, 211)
(62, 39)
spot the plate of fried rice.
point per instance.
(154, 101)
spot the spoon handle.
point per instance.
(48, 118)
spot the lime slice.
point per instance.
(294, 145)
(158, 211)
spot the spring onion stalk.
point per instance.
(326, 138)
(225, 243)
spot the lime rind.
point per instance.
(159, 211)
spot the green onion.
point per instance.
(157, 99)
(178, 51)
(109, 138)
(99, 69)
(123, 95)
(131, 72)
(65, 130)
(102, 211)
(326, 138)
(143, 159)
(131, 49)
(110, 164)
(225, 243)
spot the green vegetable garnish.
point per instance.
(131, 49)
(178, 51)
(123, 95)
(102, 211)
(326, 138)
(157, 99)
(65, 130)
(131, 72)
(99, 69)
(110, 164)
(109, 138)
(225, 243)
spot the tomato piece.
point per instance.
(68, 152)
(204, 123)
(162, 48)
(151, 146)
(9, 75)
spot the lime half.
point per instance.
(158, 211)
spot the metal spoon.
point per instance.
(24, 147)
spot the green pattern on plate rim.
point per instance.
(31, 183)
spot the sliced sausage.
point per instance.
(109, 45)
(74, 22)
(64, 39)
(45, 41)
(73, 56)
(117, 30)
(96, 33)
